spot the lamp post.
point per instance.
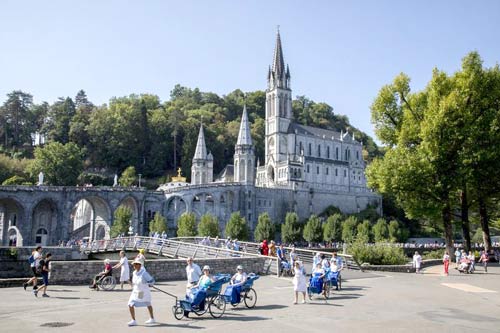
(140, 175)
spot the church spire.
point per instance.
(278, 62)
(201, 149)
(278, 75)
(244, 136)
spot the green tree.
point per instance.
(186, 225)
(60, 164)
(121, 221)
(332, 230)
(59, 121)
(16, 180)
(291, 229)
(349, 229)
(364, 233)
(264, 229)
(395, 231)
(16, 119)
(380, 231)
(313, 230)
(237, 227)
(208, 226)
(158, 224)
(128, 177)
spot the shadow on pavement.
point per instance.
(269, 307)
(187, 325)
(63, 290)
(61, 297)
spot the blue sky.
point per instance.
(339, 52)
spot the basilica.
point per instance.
(306, 169)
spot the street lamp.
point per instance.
(130, 229)
(140, 175)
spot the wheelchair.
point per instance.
(105, 282)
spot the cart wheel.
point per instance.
(250, 298)
(217, 306)
(339, 282)
(178, 312)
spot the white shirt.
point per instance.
(37, 256)
(193, 273)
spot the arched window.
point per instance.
(310, 149)
(336, 153)
(319, 150)
(357, 155)
(327, 151)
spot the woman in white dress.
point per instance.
(141, 295)
(125, 270)
(299, 281)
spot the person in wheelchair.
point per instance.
(108, 271)
(318, 278)
(197, 293)
(235, 285)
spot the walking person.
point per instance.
(458, 256)
(141, 295)
(125, 270)
(193, 273)
(34, 261)
(446, 262)
(45, 265)
(299, 281)
(417, 262)
(484, 259)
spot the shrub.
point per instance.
(313, 230)
(264, 229)
(186, 225)
(377, 254)
(237, 227)
(291, 230)
(436, 254)
(208, 226)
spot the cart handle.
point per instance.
(163, 291)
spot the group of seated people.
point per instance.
(322, 268)
(196, 293)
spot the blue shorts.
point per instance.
(45, 278)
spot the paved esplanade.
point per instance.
(369, 302)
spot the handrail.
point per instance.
(305, 255)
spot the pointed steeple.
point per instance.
(244, 136)
(201, 149)
(278, 62)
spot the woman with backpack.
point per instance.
(34, 261)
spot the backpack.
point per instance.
(31, 259)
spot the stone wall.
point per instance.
(81, 272)
(16, 266)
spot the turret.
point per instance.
(202, 167)
(244, 154)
